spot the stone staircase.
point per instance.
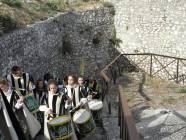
(108, 129)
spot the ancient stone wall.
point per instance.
(153, 26)
(72, 42)
(156, 26)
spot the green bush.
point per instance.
(58, 5)
(16, 3)
(108, 4)
(181, 90)
(66, 46)
(114, 40)
(7, 24)
(1, 29)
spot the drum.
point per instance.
(60, 128)
(83, 121)
(96, 107)
(31, 103)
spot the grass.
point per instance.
(24, 13)
(169, 100)
(7, 24)
(158, 83)
(181, 90)
(14, 3)
(107, 4)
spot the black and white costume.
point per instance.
(73, 92)
(21, 84)
(10, 128)
(28, 122)
(39, 95)
(12, 98)
(56, 103)
(84, 91)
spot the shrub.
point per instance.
(58, 5)
(181, 90)
(108, 4)
(66, 46)
(16, 3)
(114, 40)
(7, 24)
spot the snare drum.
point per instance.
(96, 107)
(60, 128)
(31, 103)
(83, 121)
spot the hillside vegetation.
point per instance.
(19, 13)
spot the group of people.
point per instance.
(26, 106)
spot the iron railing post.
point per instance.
(150, 64)
(177, 71)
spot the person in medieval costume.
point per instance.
(82, 88)
(20, 81)
(10, 94)
(28, 122)
(76, 96)
(10, 128)
(54, 106)
(95, 89)
(39, 93)
(73, 93)
(47, 77)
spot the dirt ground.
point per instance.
(145, 92)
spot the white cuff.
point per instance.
(18, 105)
(43, 108)
(68, 106)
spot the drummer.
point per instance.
(39, 93)
(10, 127)
(47, 76)
(20, 80)
(82, 88)
(55, 104)
(73, 93)
(10, 94)
(95, 89)
(15, 102)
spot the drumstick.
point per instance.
(18, 88)
(75, 108)
(52, 114)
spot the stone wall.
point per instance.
(61, 44)
(156, 26)
(153, 26)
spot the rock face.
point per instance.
(73, 42)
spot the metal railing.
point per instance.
(162, 66)
(128, 129)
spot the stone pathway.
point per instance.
(154, 122)
(109, 129)
(110, 121)
(162, 124)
